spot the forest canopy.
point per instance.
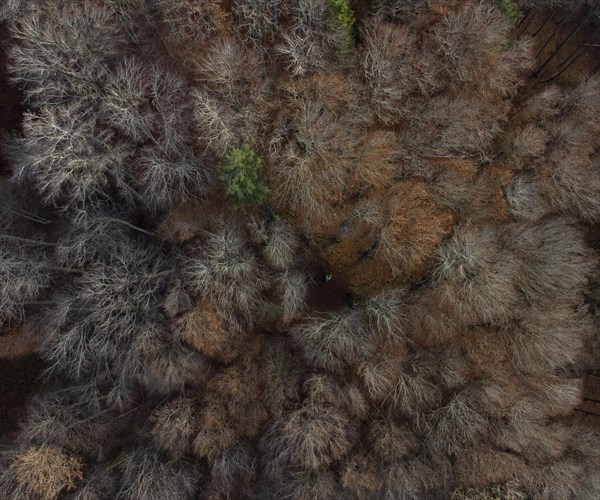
(302, 249)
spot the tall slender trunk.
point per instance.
(542, 25)
(27, 240)
(574, 56)
(526, 16)
(582, 47)
(566, 18)
(526, 20)
(557, 50)
(562, 69)
(30, 216)
(128, 224)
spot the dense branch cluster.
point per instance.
(395, 307)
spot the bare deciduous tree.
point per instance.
(115, 299)
(173, 425)
(234, 470)
(25, 271)
(45, 472)
(54, 62)
(526, 200)
(298, 484)
(260, 19)
(395, 72)
(292, 287)
(95, 235)
(225, 271)
(98, 482)
(72, 418)
(126, 103)
(556, 261)
(484, 275)
(71, 158)
(281, 246)
(311, 438)
(192, 20)
(543, 342)
(168, 181)
(282, 377)
(387, 312)
(335, 341)
(392, 441)
(419, 477)
(147, 475)
(457, 425)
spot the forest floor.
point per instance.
(577, 58)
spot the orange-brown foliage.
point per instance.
(48, 471)
(206, 331)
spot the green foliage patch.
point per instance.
(241, 174)
(511, 10)
(342, 22)
(344, 13)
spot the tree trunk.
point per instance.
(557, 29)
(557, 50)
(27, 240)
